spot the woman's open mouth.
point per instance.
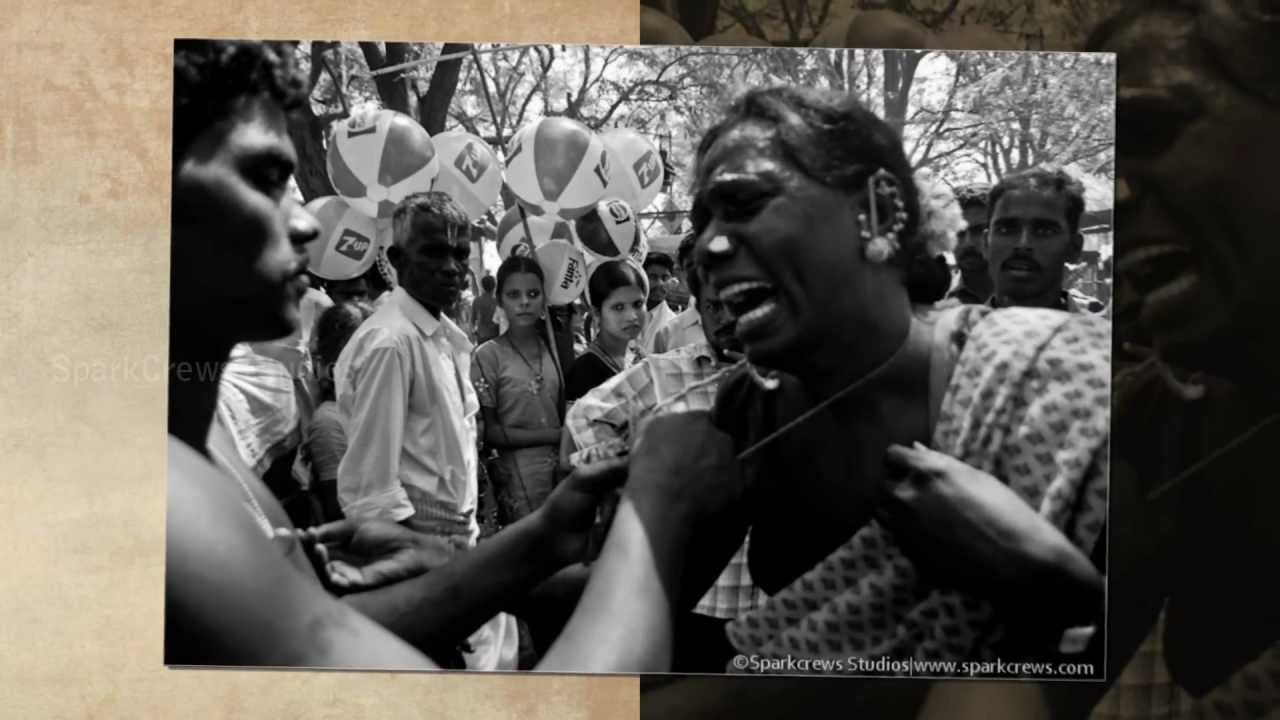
(1176, 298)
(752, 303)
(1166, 276)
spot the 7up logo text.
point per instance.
(471, 163)
(353, 245)
(648, 169)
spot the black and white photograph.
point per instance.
(693, 359)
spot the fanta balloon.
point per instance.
(511, 232)
(557, 167)
(377, 157)
(347, 245)
(635, 167)
(565, 270)
(470, 172)
(609, 230)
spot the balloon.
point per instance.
(636, 167)
(609, 230)
(378, 157)
(470, 172)
(565, 270)
(557, 167)
(511, 232)
(347, 245)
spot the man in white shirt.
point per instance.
(686, 327)
(660, 269)
(409, 408)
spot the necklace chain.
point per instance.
(537, 383)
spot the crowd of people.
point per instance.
(829, 452)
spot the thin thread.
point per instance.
(825, 403)
(1213, 456)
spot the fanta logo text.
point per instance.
(572, 275)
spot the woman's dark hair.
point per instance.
(831, 138)
(609, 276)
(211, 78)
(333, 329)
(928, 279)
(517, 264)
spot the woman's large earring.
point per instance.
(882, 244)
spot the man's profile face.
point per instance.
(971, 243)
(1030, 244)
(239, 236)
(432, 262)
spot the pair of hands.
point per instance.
(682, 464)
(962, 526)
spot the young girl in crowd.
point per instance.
(616, 292)
(518, 383)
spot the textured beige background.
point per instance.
(84, 157)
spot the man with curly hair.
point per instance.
(1032, 233)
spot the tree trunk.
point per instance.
(899, 74)
(393, 88)
(433, 107)
(307, 132)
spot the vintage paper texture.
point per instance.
(84, 160)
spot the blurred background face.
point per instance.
(1030, 244)
(341, 291)
(239, 238)
(971, 243)
(1197, 154)
(622, 313)
(659, 280)
(521, 299)
(717, 323)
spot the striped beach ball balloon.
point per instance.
(511, 232)
(636, 167)
(609, 230)
(470, 172)
(377, 157)
(564, 269)
(557, 166)
(348, 241)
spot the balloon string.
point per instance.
(551, 335)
